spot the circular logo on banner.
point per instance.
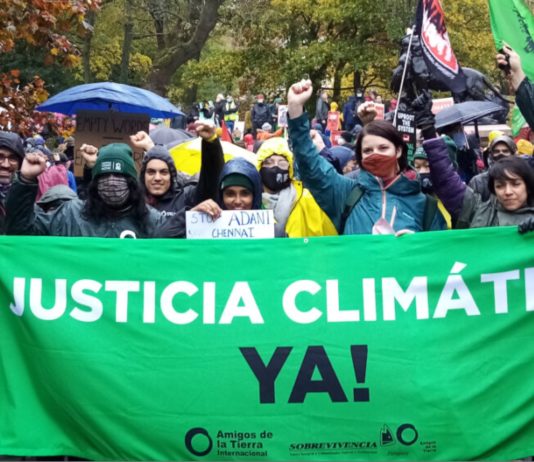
(198, 441)
(407, 434)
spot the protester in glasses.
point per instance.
(296, 212)
(386, 197)
(11, 156)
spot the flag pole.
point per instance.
(407, 60)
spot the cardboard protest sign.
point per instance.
(99, 128)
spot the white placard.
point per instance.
(282, 115)
(232, 224)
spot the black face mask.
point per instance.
(275, 178)
(426, 183)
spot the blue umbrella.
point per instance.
(104, 96)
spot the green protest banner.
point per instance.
(352, 347)
(512, 22)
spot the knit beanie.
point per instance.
(420, 154)
(115, 158)
(237, 179)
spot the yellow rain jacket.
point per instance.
(306, 217)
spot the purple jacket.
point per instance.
(448, 185)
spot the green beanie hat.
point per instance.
(237, 179)
(420, 153)
(115, 158)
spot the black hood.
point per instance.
(160, 153)
(12, 141)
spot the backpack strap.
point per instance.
(352, 199)
(431, 208)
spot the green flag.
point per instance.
(517, 121)
(513, 23)
(338, 348)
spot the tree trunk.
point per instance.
(90, 18)
(170, 59)
(357, 81)
(190, 96)
(337, 83)
(127, 43)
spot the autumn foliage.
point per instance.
(42, 24)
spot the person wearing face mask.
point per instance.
(296, 212)
(115, 204)
(499, 148)
(386, 196)
(259, 114)
(11, 156)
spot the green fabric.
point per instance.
(517, 121)
(115, 158)
(236, 179)
(128, 366)
(513, 23)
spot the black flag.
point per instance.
(437, 50)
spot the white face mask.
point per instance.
(113, 190)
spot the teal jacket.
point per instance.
(402, 201)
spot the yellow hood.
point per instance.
(276, 146)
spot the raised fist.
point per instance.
(205, 130)
(89, 154)
(33, 165)
(142, 140)
(367, 112)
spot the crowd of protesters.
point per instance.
(363, 183)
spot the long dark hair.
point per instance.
(96, 210)
(514, 165)
(389, 132)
